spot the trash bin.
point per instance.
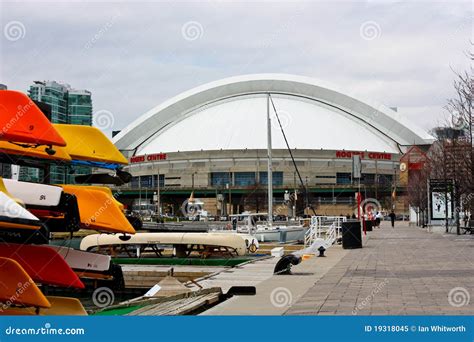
(282, 236)
(369, 226)
(351, 234)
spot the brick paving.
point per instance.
(401, 271)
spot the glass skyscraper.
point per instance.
(79, 107)
(68, 106)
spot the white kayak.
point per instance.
(13, 215)
(33, 193)
(84, 261)
(233, 242)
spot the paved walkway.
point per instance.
(276, 293)
(401, 271)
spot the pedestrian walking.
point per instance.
(392, 218)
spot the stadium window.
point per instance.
(244, 178)
(145, 181)
(162, 181)
(220, 178)
(343, 178)
(276, 180)
(368, 178)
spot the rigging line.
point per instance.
(291, 155)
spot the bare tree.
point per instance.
(417, 193)
(452, 155)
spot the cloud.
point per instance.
(132, 56)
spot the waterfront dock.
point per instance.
(401, 271)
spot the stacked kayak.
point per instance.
(12, 214)
(24, 123)
(29, 212)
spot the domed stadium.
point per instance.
(212, 141)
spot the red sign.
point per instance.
(148, 158)
(364, 155)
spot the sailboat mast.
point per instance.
(270, 164)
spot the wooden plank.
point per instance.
(178, 307)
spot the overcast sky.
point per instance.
(132, 56)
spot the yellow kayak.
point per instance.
(89, 144)
(60, 306)
(99, 210)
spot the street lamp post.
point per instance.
(230, 199)
(158, 204)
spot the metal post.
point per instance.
(158, 202)
(270, 166)
(428, 202)
(140, 194)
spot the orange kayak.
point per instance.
(99, 210)
(23, 122)
(107, 191)
(17, 287)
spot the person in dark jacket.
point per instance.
(392, 218)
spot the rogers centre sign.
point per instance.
(148, 158)
(364, 155)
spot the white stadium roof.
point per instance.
(231, 113)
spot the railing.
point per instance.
(332, 234)
(327, 228)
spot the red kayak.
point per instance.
(23, 122)
(43, 264)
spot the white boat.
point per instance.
(33, 193)
(265, 232)
(183, 243)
